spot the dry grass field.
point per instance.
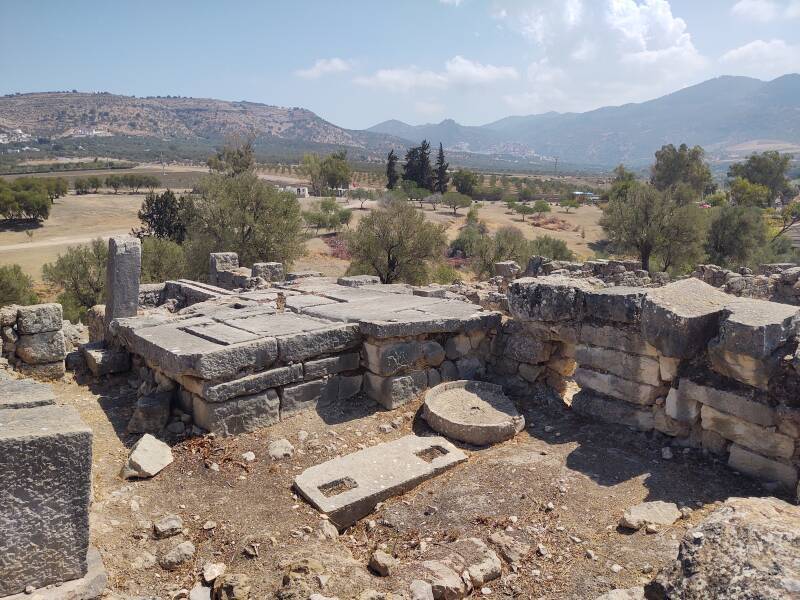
(79, 219)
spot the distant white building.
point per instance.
(299, 191)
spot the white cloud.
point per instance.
(761, 58)
(590, 53)
(324, 66)
(763, 11)
(451, 2)
(458, 71)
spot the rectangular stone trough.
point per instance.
(348, 488)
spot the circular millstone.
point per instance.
(472, 411)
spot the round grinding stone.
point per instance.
(474, 412)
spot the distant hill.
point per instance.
(728, 116)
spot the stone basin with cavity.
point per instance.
(474, 412)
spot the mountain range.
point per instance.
(728, 116)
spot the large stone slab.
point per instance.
(123, 270)
(612, 411)
(392, 357)
(633, 367)
(25, 393)
(42, 348)
(252, 384)
(760, 467)
(45, 490)
(89, 587)
(742, 404)
(756, 372)
(333, 338)
(757, 328)
(39, 318)
(348, 488)
(612, 385)
(620, 338)
(239, 415)
(756, 438)
(307, 395)
(619, 304)
(314, 369)
(680, 318)
(550, 298)
(101, 360)
(394, 391)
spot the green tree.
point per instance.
(114, 182)
(391, 170)
(541, 206)
(94, 183)
(396, 243)
(681, 165)
(745, 193)
(165, 216)
(162, 260)
(524, 210)
(442, 177)
(434, 200)
(243, 214)
(16, 286)
(570, 203)
(327, 214)
(418, 165)
(25, 198)
(465, 182)
(81, 273)
(312, 169)
(362, 195)
(643, 220)
(81, 185)
(736, 235)
(768, 169)
(336, 171)
(234, 158)
(456, 200)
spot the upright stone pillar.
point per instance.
(220, 262)
(123, 271)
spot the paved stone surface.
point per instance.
(46, 462)
(25, 393)
(348, 488)
(472, 411)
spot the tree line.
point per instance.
(29, 198)
(679, 217)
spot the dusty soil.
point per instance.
(590, 472)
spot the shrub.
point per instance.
(162, 260)
(16, 287)
(81, 273)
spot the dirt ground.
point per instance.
(589, 471)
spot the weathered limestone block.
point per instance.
(563, 332)
(457, 346)
(42, 348)
(8, 315)
(617, 387)
(667, 425)
(507, 269)
(151, 413)
(24, 393)
(680, 318)
(349, 385)
(46, 371)
(250, 384)
(123, 271)
(740, 404)
(304, 396)
(633, 367)
(330, 366)
(619, 304)
(239, 415)
(105, 361)
(760, 467)
(358, 280)
(300, 346)
(757, 328)
(754, 437)
(527, 349)
(433, 353)
(391, 392)
(680, 407)
(550, 298)
(668, 367)
(392, 357)
(743, 367)
(45, 490)
(219, 262)
(268, 271)
(609, 336)
(612, 411)
(39, 318)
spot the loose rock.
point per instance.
(147, 458)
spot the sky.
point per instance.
(359, 62)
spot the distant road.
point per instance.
(63, 241)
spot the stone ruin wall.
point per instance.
(685, 360)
